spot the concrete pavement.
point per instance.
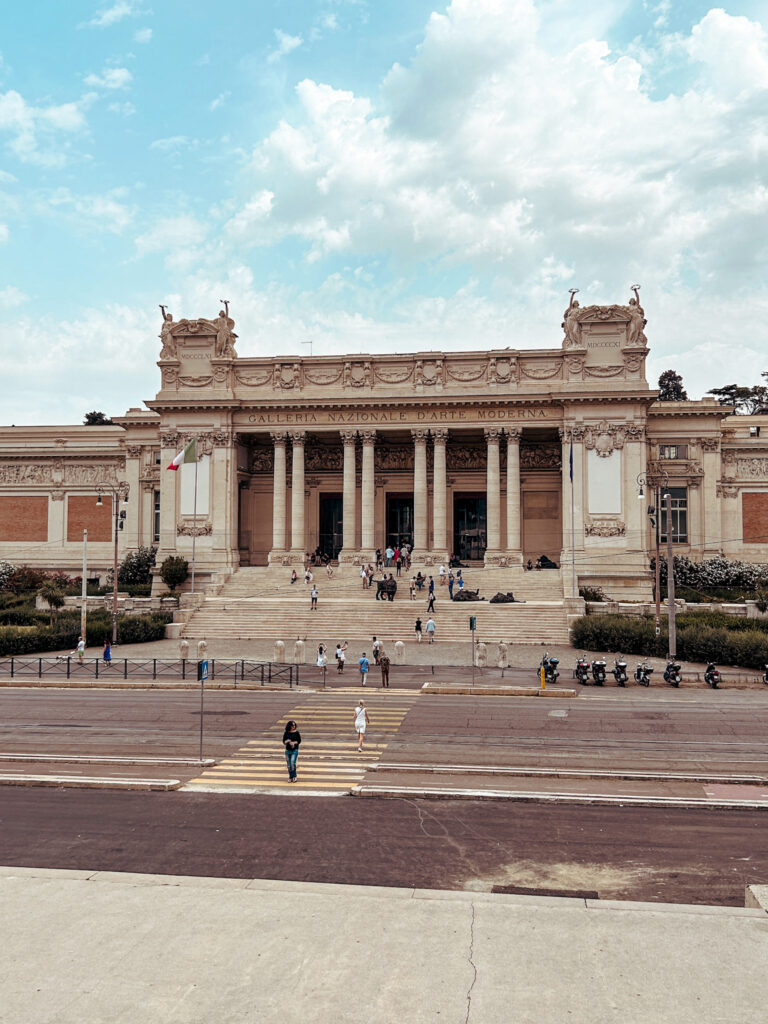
(91, 948)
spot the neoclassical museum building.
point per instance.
(494, 456)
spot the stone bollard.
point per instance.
(183, 649)
(503, 659)
(298, 652)
(202, 649)
(399, 652)
(278, 655)
(481, 655)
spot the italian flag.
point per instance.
(187, 454)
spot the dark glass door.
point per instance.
(399, 520)
(331, 525)
(469, 527)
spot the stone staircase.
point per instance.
(261, 604)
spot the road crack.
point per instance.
(472, 963)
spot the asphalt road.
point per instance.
(673, 856)
(619, 729)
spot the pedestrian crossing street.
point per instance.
(328, 758)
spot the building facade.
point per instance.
(496, 457)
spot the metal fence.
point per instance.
(263, 673)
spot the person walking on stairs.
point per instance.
(341, 656)
(431, 629)
(291, 742)
(376, 648)
(313, 594)
(431, 602)
(364, 666)
(417, 627)
(384, 666)
(361, 723)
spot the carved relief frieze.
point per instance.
(603, 371)
(60, 472)
(393, 373)
(195, 382)
(394, 457)
(253, 380)
(325, 376)
(222, 373)
(419, 436)
(286, 376)
(466, 373)
(709, 444)
(633, 362)
(357, 374)
(262, 459)
(536, 370)
(57, 495)
(737, 467)
(604, 437)
(463, 456)
(575, 365)
(545, 456)
(194, 530)
(727, 491)
(429, 372)
(133, 451)
(502, 370)
(318, 458)
(605, 528)
(170, 439)
(575, 433)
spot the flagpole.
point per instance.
(194, 521)
(574, 592)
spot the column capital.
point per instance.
(367, 436)
(419, 436)
(440, 435)
(278, 436)
(492, 434)
(513, 434)
(298, 437)
(348, 436)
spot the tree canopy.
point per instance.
(745, 401)
(671, 387)
(96, 419)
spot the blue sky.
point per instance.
(374, 176)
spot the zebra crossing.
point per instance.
(328, 759)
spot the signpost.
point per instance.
(202, 675)
(472, 628)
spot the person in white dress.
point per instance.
(361, 722)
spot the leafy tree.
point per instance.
(174, 571)
(96, 419)
(671, 387)
(745, 401)
(52, 596)
(134, 568)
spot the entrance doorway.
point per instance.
(469, 527)
(399, 520)
(331, 535)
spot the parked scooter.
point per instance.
(581, 672)
(643, 673)
(598, 671)
(620, 671)
(712, 675)
(672, 673)
(550, 668)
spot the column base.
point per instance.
(499, 559)
(294, 557)
(278, 556)
(349, 557)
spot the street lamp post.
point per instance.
(119, 493)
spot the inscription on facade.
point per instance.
(330, 418)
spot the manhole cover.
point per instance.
(519, 890)
(558, 714)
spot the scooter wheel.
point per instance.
(675, 684)
(620, 684)
(645, 682)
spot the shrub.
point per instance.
(131, 629)
(52, 596)
(715, 572)
(134, 568)
(25, 580)
(174, 571)
(6, 572)
(592, 593)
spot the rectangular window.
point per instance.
(679, 497)
(157, 457)
(673, 451)
(156, 519)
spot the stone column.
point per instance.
(514, 543)
(133, 522)
(169, 489)
(713, 541)
(573, 532)
(225, 549)
(420, 494)
(298, 549)
(439, 437)
(347, 553)
(278, 500)
(493, 496)
(368, 520)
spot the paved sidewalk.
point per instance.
(92, 948)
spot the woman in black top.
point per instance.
(291, 741)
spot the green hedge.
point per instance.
(711, 636)
(131, 629)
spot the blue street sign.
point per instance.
(202, 671)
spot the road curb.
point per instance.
(402, 792)
(162, 762)
(495, 691)
(566, 773)
(85, 782)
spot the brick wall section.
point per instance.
(754, 517)
(24, 517)
(84, 514)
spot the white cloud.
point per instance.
(285, 44)
(172, 143)
(112, 15)
(125, 109)
(36, 131)
(179, 238)
(10, 297)
(110, 78)
(89, 212)
(220, 100)
(142, 35)
(4, 233)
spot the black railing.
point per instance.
(235, 671)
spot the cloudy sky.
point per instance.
(374, 176)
